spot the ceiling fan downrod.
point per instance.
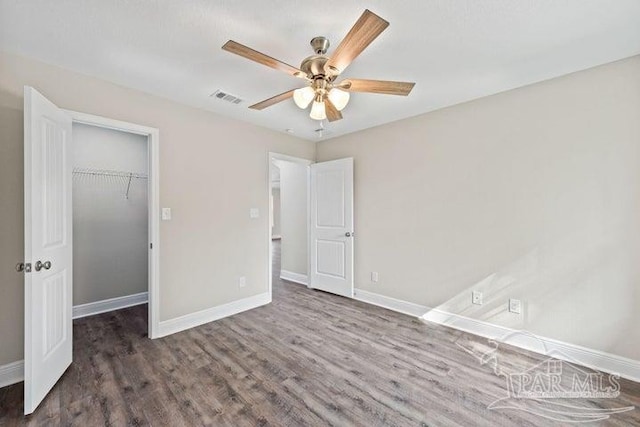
(320, 45)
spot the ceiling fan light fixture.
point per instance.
(318, 111)
(320, 71)
(303, 97)
(339, 98)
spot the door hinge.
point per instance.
(22, 267)
(150, 245)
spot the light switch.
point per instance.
(254, 213)
(166, 214)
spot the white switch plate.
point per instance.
(476, 297)
(166, 214)
(374, 276)
(242, 282)
(254, 213)
(515, 306)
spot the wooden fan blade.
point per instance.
(332, 112)
(273, 100)
(377, 86)
(254, 55)
(365, 30)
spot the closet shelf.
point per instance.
(107, 172)
(125, 176)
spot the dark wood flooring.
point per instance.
(309, 358)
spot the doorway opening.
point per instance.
(316, 231)
(288, 219)
(48, 243)
(115, 217)
(110, 220)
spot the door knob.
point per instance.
(350, 234)
(40, 265)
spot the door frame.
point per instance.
(306, 162)
(153, 145)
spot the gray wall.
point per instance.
(531, 194)
(293, 216)
(213, 170)
(110, 231)
(275, 194)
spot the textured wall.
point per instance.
(531, 194)
(212, 171)
(110, 231)
(293, 216)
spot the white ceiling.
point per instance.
(455, 50)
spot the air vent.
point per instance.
(224, 96)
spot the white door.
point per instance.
(331, 231)
(47, 244)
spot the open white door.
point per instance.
(47, 243)
(331, 229)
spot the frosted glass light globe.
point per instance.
(303, 97)
(318, 111)
(339, 98)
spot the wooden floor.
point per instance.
(309, 358)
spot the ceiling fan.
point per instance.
(321, 72)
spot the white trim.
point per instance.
(391, 303)
(92, 308)
(104, 122)
(270, 158)
(302, 279)
(11, 373)
(596, 359)
(168, 327)
(154, 203)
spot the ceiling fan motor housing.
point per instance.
(313, 65)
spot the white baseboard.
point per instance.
(111, 304)
(595, 359)
(391, 303)
(599, 360)
(294, 277)
(11, 373)
(188, 321)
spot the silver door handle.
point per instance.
(350, 234)
(40, 265)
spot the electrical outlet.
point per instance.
(254, 213)
(515, 306)
(374, 276)
(476, 297)
(242, 282)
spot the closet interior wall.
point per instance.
(110, 214)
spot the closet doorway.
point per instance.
(48, 230)
(115, 217)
